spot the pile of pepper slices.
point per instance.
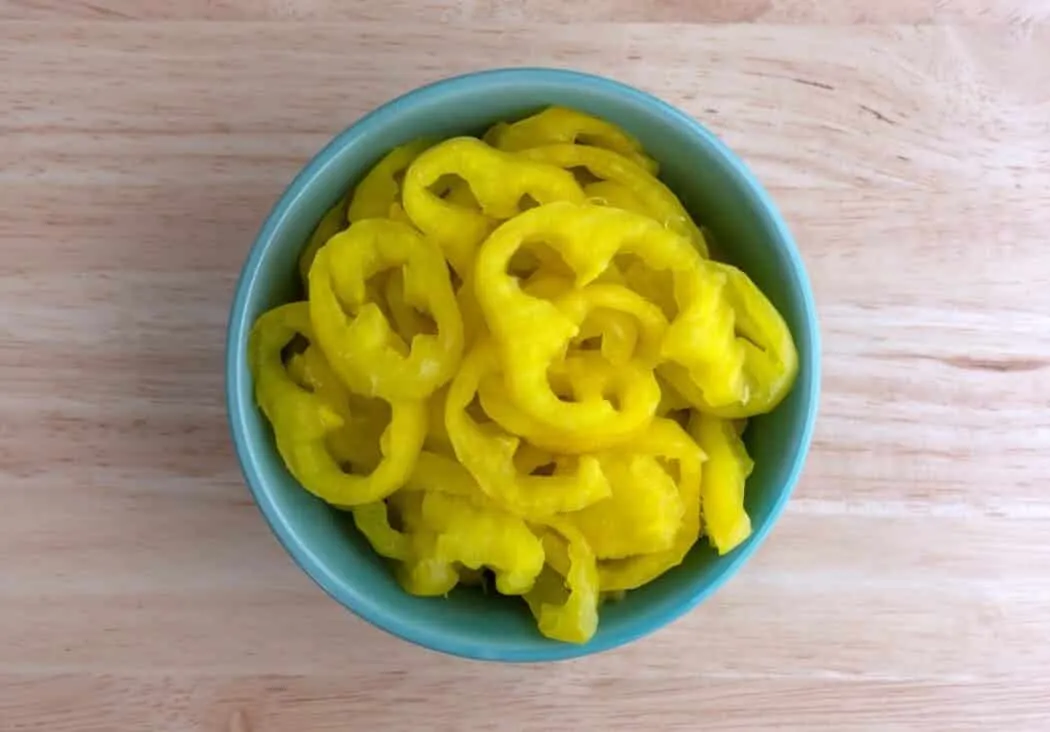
(515, 355)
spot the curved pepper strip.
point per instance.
(358, 346)
(488, 453)
(568, 614)
(408, 321)
(561, 125)
(373, 521)
(588, 378)
(642, 515)
(331, 224)
(302, 420)
(581, 304)
(611, 193)
(424, 573)
(659, 202)
(436, 473)
(533, 333)
(728, 466)
(616, 331)
(497, 180)
(655, 286)
(357, 441)
(665, 439)
(768, 356)
(378, 195)
(473, 319)
(670, 400)
(479, 538)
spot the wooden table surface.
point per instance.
(908, 584)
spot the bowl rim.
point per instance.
(419, 633)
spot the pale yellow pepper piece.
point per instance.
(563, 125)
(498, 181)
(728, 466)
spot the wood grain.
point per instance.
(909, 147)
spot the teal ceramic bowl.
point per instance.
(717, 189)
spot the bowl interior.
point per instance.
(720, 194)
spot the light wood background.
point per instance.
(143, 141)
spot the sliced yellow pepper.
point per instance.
(658, 200)
(488, 453)
(358, 345)
(588, 379)
(479, 538)
(497, 181)
(378, 195)
(665, 439)
(357, 441)
(566, 611)
(642, 515)
(302, 420)
(561, 125)
(533, 333)
(611, 193)
(728, 466)
(373, 521)
(331, 224)
(767, 354)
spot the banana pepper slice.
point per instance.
(726, 522)
(768, 354)
(658, 201)
(566, 610)
(358, 345)
(378, 195)
(665, 439)
(479, 538)
(533, 332)
(302, 420)
(588, 379)
(497, 181)
(331, 224)
(488, 453)
(643, 514)
(560, 125)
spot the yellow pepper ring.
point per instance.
(561, 125)
(533, 333)
(488, 454)
(588, 378)
(497, 180)
(359, 346)
(302, 420)
(668, 440)
(378, 195)
(331, 224)
(658, 200)
(572, 618)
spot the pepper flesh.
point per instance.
(488, 453)
(562, 125)
(641, 516)
(665, 439)
(497, 181)
(568, 614)
(658, 200)
(378, 195)
(359, 345)
(768, 355)
(333, 221)
(479, 538)
(722, 493)
(302, 420)
(533, 333)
